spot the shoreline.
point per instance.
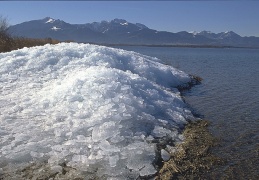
(192, 158)
(173, 45)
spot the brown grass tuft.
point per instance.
(9, 44)
(192, 158)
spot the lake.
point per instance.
(228, 97)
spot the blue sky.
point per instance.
(241, 17)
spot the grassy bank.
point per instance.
(192, 158)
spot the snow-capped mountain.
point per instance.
(115, 26)
(56, 29)
(120, 31)
(222, 35)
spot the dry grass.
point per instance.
(27, 42)
(192, 158)
(195, 80)
(198, 79)
(8, 43)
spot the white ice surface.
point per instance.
(90, 106)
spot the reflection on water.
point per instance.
(228, 97)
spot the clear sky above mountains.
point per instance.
(174, 16)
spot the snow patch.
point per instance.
(105, 30)
(50, 21)
(55, 28)
(194, 32)
(124, 24)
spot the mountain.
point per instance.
(119, 31)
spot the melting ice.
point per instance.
(89, 106)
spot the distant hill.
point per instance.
(119, 31)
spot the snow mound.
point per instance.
(95, 108)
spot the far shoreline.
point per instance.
(174, 45)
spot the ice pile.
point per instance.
(95, 108)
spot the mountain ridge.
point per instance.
(120, 31)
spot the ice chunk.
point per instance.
(20, 157)
(80, 158)
(160, 131)
(104, 131)
(3, 161)
(56, 169)
(36, 154)
(113, 160)
(117, 139)
(139, 155)
(107, 147)
(165, 155)
(148, 170)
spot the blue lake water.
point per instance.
(228, 97)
